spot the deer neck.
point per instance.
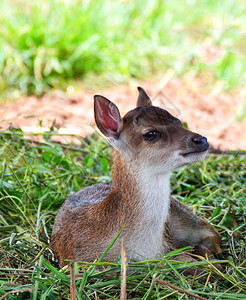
(141, 189)
(145, 199)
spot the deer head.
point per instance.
(149, 135)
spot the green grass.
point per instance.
(35, 179)
(51, 42)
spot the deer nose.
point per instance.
(200, 142)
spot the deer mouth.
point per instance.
(193, 152)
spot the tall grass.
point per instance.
(45, 43)
(35, 179)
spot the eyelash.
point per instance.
(151, 135)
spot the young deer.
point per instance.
(148, 144)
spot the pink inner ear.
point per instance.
(110, 124)
(109, 117)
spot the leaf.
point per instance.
(55, 272)
(216, 212)
(6, 185)
(232, 68)
(105, 164)
(228, 221)
(43, 169)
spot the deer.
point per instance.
(148, 143)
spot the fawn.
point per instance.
(148, 143)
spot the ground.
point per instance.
(208, 112)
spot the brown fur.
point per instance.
(90, 219)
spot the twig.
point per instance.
(209, 275)
(123, 272)
(174, 287)
(16, 291)
(194, 277)
(72, 281)
(5, 256)
(165, 79)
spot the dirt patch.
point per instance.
(209, 113)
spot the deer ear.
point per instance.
(107, 117)
(143, 98)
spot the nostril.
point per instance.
(200, 142)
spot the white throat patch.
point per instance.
(147, 240)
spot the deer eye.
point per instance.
(151, 135)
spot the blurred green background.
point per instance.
(46, 44)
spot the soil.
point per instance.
(205, 108)
(211, 114)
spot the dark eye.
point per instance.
(151, 135)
